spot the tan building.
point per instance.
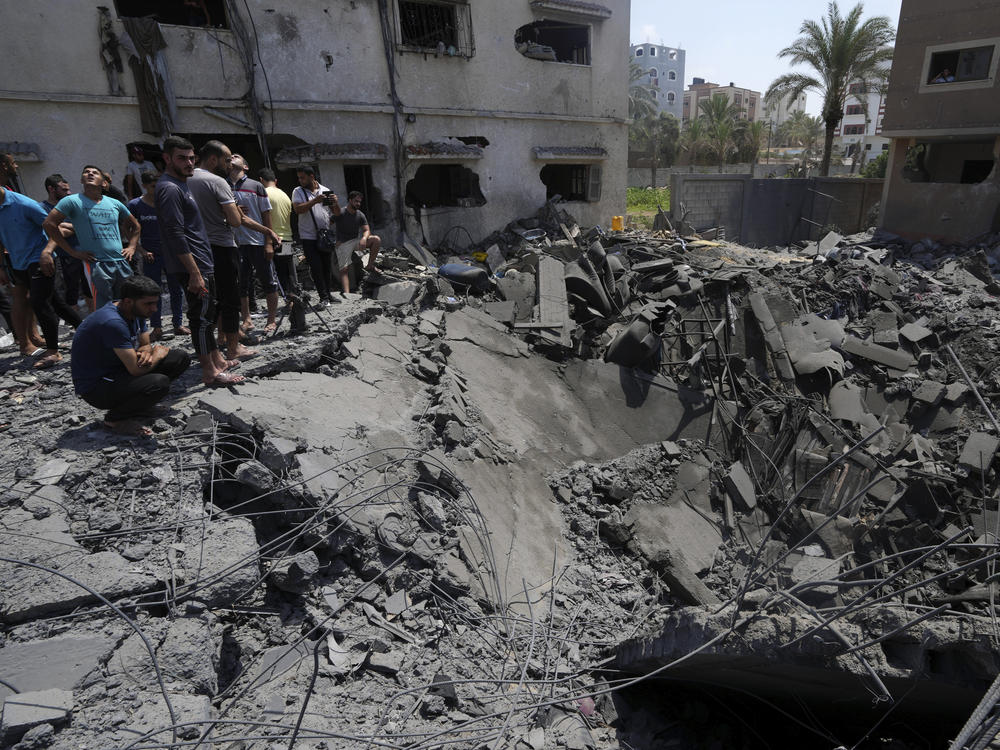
(943, 116)
(445, 113)
(749, 102)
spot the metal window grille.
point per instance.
(442, 27)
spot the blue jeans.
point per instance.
(105, 276)
(154, 270)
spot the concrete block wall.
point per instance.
(766, 212)
(643, 176)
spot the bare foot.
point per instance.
(271, 327)
(129, 428)
(247, 324)
(48, 360)
(243, 353)
(182, 331)
(224, 379)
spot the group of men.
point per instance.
(209, 228)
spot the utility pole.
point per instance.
(767, 159)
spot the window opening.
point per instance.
(671, 97)
(857, 88)
(672, 55)
(211, 13)
(672, 75)
(854, 129)
(444, 28)
(436, 185)
(652, 73)
(853, 109)
(472, 140)
(554, 41)
(359, 177)
(652, 51)
(962, 162)
(972, 64)
(572, 182)
(638, 53)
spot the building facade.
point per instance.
(943, 118)
(859, 136)
(445, 113)
(747, 101)
(781, 110)
(664, 68)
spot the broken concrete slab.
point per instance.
(846, 403)
(225, 566)
(897, 360)
(740, 487)
(398, 293)
(681, 530)
(188, 652)
(978, 452)
(23, 711)
(59, 662)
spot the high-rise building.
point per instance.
(664, 67)
(748, 102)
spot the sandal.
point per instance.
(128, 428)
(224, 380)
(49, 360)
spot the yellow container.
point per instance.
(617, 223)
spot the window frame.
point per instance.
(463, 22)
(980, 83)
(672, 75)
(639, 52)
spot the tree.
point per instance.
(641, 101)
(841, 50)
(657, 135)
(719, 119)
(876, 167)
(693, 139)
(750, 137)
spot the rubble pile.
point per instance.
(567, 488)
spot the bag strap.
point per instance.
(311, 215)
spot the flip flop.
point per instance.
(224, 380)
(48, 361)
(33, 353)
(270, 328)
(232, 364)
(128, 428)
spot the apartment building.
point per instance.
(444, 113)
(747, 101)
(780, 111)
(859, 135)
(942, 115)
(664, 67)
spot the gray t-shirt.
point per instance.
(253, 199)
(211, 193)
(349, 225)
(320, 215)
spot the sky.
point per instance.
(735, 40)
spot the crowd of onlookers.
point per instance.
(201, 230)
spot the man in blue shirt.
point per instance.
(143, 208)
(114, 364)
(98, 221)
(33, 268)
(74, 279)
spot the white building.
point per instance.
(859, 135)
(781, 110)
(445, 113)
(664, 68)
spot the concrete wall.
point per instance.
(327, 81)
(643, 176)
(911, 104)
(764, 212)
(941, 210)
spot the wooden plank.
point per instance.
(552, 305)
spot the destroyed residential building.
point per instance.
(943, 116)
(437, 111)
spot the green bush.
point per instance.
(646, 199)
(876, 167)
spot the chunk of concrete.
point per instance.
(845, 402)
(930, 393)
(188, 650)
(914, 333)
(740, 487)
(398, 293)
(59, 662)
(977, 455)
(897, 360)
(226, 566)
(295, 574)
(23, 711)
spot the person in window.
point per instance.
(945, 76)
(197, 13)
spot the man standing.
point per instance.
(281, 223)
(8, 173)
(33, 269)
(310, 201)
(353, 232)
(187, 255)
(256, 250)
(137, 167)
(114, 364)
(98, 221)
(143, 208)
(74, 279)
(210, 189)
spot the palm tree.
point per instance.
(719, 117)
(659, 133)
(693, 139)
(641, 101)
(750, 138)
(841, 50)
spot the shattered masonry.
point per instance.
(630, 490)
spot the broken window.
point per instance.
(673, 55)
(554, 41)
(210, 13)
(444, 28)
(638, 53)
(573, 182)
(956, 65)
(963, 162)
(437, 185)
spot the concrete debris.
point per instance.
(466, 498)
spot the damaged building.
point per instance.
(449, 116)
(943, 116)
